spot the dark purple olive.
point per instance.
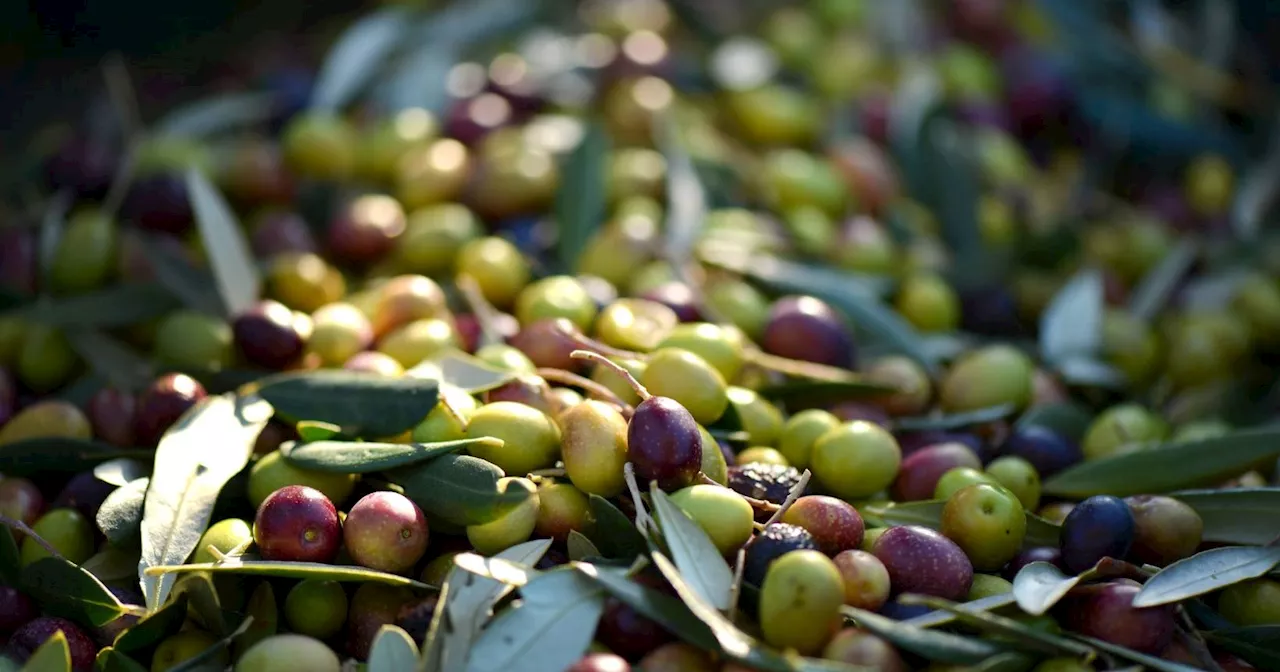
(19, 261)
(267, 335)
(664, 443)
(678, 297)
(807, 329)
(1046, 450)
(1100, 527)
(84, 165)
(159, 202)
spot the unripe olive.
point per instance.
(800, 601)
(690, 380)
(511, 528)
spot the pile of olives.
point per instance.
(834, 470)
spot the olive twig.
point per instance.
(616, 368)
(643, 522)
(567, 378)
(1195, 642)
(15, 524)
(796, 491)
(735, 592)
(758, 504)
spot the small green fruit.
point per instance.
(721, 346)
(223, 535)
(316, 608)
(762, 455)
(856, 460)
(45, 358)
(67, 530)
(722, 513)
(512, 528)
(690, 380)
(86, 253)
(1255, 602)
(562, 508)
(991, 376)
(959, 478)
(1121, 429)
(441, 424)
(505, 357)
(289, 651)
(554, 297)
(800, 601)
(189, 340)
(531, 438)
(801, 432)
(987, 522)
(594, 447)
(184, 646)
(273, 472)
(760, 419)
(1020, 477)
(987, 585)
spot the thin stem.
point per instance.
(616, 368)
(758, 504)
(568, 378)
(1195, 642)
(588, 343)
(123, 96)
(15, 524)
(736, 591)
(486, 314)
(643, 522)
(796, 491)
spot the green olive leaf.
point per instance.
(317, 571)
(265, 612)
(1040, 532)
(1040, 585)
(120, 305)
(208, 445)
(1154, 291)
(579, 546)
(357, 55)
(686, 197)
(121, 472)
(204, 601)
(1258, 644)
(1236, 516)
(821, 391)
(939, 617)
(347, 457)
(120, 516)
(393, 651)
(216, 114)
(1206, 572)
(63, 589)
(60, 455)
(734, 643)
(315, 430)
(955, 420)
(580, 200)
(54, 655)
(1141, 658)
(111, 660)
(1071, 325)
(1069, 419)
(192, 286)
(547, 631)
(155, 628)
(1018, 634)
(469, 373)
(612, 532)
(114, 564)
(930, 644)
(1167, 467)
(663, 609)
(701, 564)
(363, 404)
(461, 489)
(234, 270)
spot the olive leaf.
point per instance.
(1040, 532)
(1236, 516)
(116, 306)
(53, 223)
(316, 571)
(1167, 467)
(204, 601)
(121, 472)
(686, 197)
(580, 547)
(315, 430)
(736, 644)
(580, 199)
(54, 655)
(114, 361)
(216, 114)
(266, 617)
(1259, 644)
(363, 404)
(547, 631)
(58, 454)
(469, 373)
(1067, 418)
(663, 609)
(202, 660)
(1040, 585)
(120, 516)
(939, 617)
(700, 563)
(357, 56)
(1154, 291)
(460, 489)
(192, 286)
(1007, 662)
(955, 420)
(1071, 325)
(818, 392)
(234, 270)
(10, 559)
(930, 644)
(1206, 572)
(393, 651)
(63, 589)
(113, 564)
(1019, 634)
(611, 531)
(155, 628)
(469, 598)
(197, 456)
(111, 660)
(1141, 658)
(346, 457)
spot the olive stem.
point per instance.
(15, 524)
(616, 368)
(588, 343)
(735, 592)
(1195, 642)
(567, 378)
(486, 314)
(643, 522)
(452, 411)
(801, 369)
(796, 491)
(554, 472)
